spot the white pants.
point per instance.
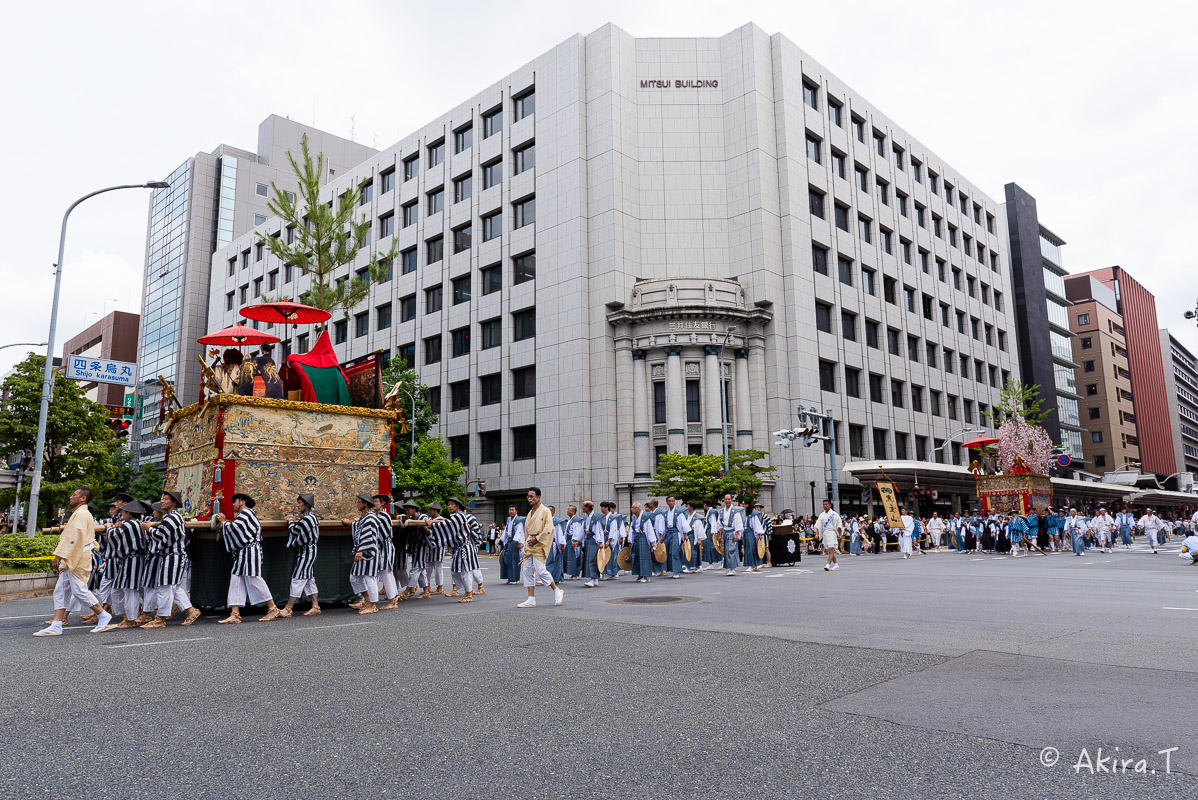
(534, 572)
(365, 583)
(905, 543)
(252, 585)
(72, 594)
(304, 587)
(386, 580)
(1151, 537)
(127, 602)
(104, 591)
(167, 596)
(465, 580)
(433, 574)
(417, 578)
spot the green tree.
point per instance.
(699, 477)
(327, 236)
(79, 444)
(425, 417)
(1018, 399)
(143, 482)
(433, 474)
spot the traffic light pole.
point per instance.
(809, 434)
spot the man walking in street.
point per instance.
(538, 538)
(73, 562)
(829, 526)
(1151, 524)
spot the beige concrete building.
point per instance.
(1103, 377)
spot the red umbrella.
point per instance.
(238, 335)
(285, 312)
(981, 441)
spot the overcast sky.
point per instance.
(1091, 107)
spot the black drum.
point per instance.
(785, 547)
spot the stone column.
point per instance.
(712, 418)
(641, 425)
(675, 401)
(744, 408)
(757, 397)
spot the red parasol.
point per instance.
(285, 312)
(237, 336)
(981, 441)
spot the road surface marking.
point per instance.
(1177, 608)
(165, 641)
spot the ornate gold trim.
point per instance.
(286, 405)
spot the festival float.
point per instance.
(1020, 484)
(311, 426)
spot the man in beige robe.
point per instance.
(538, 538)
(73, 562)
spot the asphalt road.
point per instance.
(944, 676)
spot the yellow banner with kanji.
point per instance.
(890, 503)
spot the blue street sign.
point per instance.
(101, 370)
(1064, 460)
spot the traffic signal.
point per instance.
(120, 427)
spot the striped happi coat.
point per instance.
(303, 535)
(243, 540)
(365, 534)
(125, 545)
(168, 543)
(462, 533)
(386, 544)
(429, 551)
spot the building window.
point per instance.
(524, 212)
(811, 94)
(492, 333)
(436, 200)
(492, 122)
(816, 199)
(836, 113)
(386, 225)
(931, 354)
(490, 389)
(461, 238)
(827, 376)
(228, 301)
(813, 148)
(524, 442)
(842, 217)
(490, 447)
(917, 398)
(411, 167)
(845, 267)
(893, 343)
(492, 226)
(1095, 413)
(1087, 342)
(492, 279)
(463, 138)
(859, 129)
(459, 395)
(436, 153)
(900, 446)
(868, 279)
(1091, 389)
(1096, 437)
(462, 188)
(461, 289)
(257, 287)
(407, 261)
(524, 158)
(887, 242)
(259, 219)
(361, 324)
(880, 142)
(386, 181)
(659, 402)
(871, 334)
(852, 382)
(340, 331)
(459, 449)
(693, 401)
(524, 324)
(880, 440)
(1088, 366)
(492, 174)
(432, 350)
(934, 402)
(434, 250)
(862, 175)
(410, 213)
(913, 348)
(863, 228)
(819, 259)
(883, 192)
(433, 299)
(459, 342)
(524, 268)
(823, 317)
(382, 317)
(848, 325)
(407, 308)
(525, 104)
(888, 289)
(875, 388)
(1100, 460)
(839, 165)
(524, 383)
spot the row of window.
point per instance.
(811, 96)
(490, 445)
(490, 390)
(524, 326)
(905, 446)
(899, 395)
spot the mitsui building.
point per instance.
(592, 244)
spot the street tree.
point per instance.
(700, 477)
(422, 421)
(79, 443)
(433, 475)
(327, 236)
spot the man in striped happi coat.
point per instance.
(462, 534)
(391, 580)
(243, 540)
(416, 545)
(168, 543)
(126, 557)
(363, 574)
(303, 532)
(434, 557)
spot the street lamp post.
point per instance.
(19, 344)
(35, 483)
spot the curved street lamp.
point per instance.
(35, 483)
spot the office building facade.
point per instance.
(212, 199)
(1146, 363)
(1103, 377)
(1181, 387)
(636, 246)
(1045, 346)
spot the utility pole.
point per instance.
(811, 430)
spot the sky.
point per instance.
(1092, 107)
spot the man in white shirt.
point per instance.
(1125, 521)
(1076, 528)
(1103, 526)
(905, 533)
(1151, 524)
(828, 527)
(935, 530)
(731, 526)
